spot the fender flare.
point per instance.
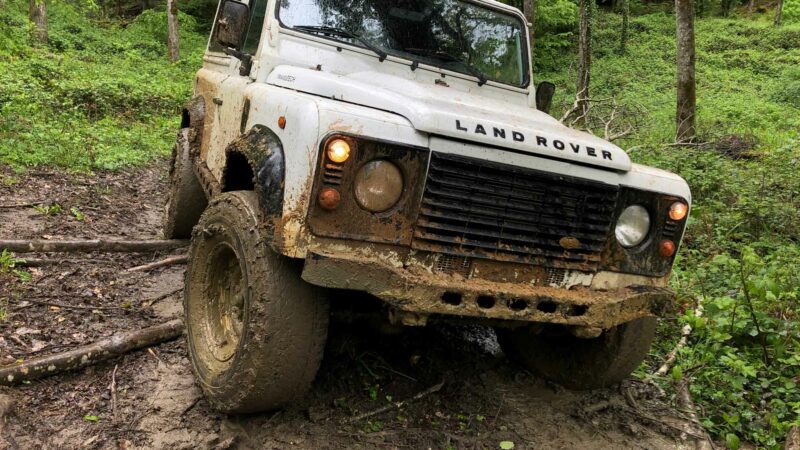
(263, 152)
(193, 115)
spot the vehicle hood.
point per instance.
(444, 111)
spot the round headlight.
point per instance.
(632, 226)
(378, 185)
(338, 150)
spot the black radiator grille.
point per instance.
(488, 210)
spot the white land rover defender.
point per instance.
(400, 148)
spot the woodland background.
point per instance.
(99, 93)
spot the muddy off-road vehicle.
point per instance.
(399, 148)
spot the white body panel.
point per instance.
(321, 86)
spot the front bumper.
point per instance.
(416, 293)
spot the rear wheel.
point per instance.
(557, 355)
(256, 331)
(185, 198)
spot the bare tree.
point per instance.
(173, 42)
(37, 12)
(584, 54)
(623, 38)
(778, 13)
(687, 91)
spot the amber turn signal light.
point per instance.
(666, 248)
(338, 150)
(329, 198)
(678, 211)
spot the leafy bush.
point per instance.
(791, 11)
(100, 96)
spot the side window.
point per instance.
(258, 9)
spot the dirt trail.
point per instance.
(485, 400)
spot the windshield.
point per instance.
(456, 35)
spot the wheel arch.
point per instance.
(193, 116)
(255, 161)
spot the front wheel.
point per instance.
(557, 355)
(256, 331)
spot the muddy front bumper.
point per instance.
(415, 294)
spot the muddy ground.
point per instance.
(484, 399)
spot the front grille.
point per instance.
(488, 210)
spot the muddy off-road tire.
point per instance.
(255, 330)
(185, 198)
(557, 355)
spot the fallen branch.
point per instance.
(20, 205)
(42, 262)
(685, 402)
(181, 259)
(66, 306)
(97, 245)
(116, 345)
(397, 405)
(673, 354)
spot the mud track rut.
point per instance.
(484, 400)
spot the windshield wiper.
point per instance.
(447, 57)
(341, 32)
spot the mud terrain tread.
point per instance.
(286, 322)
(185, 197)
(581, 363)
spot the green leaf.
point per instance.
(91, 418)
(506, 445)
(732, 441)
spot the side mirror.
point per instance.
(232, 24)
(544, 96)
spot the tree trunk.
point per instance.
(750, 6)
(778, 12)
(37, 12)
(584, 54)
(686, 107)
(529, 9)
(623, 38)
(173, 43)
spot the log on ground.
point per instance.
(96, 245)
(116, 345)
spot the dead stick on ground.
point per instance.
(113, 388)
(684, 399)
(116, 345)
(65, 306)
(42, 262)
(433, 389)
(181, 259)
(20, 205)
(97, 245)
(673, 354)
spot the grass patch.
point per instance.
(101, 95)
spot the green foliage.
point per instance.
(8, 264)
(101, 94)
(741, 254)
(791, 11)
